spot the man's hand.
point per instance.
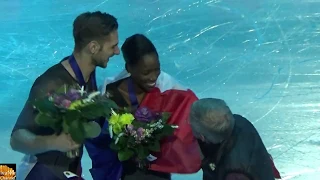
(62, 143)
(26, 142)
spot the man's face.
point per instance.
(107, 49)
(209, 138)
(195, 130)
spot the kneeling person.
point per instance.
(230, 144)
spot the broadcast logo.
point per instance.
(7, 172)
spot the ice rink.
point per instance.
(258, 55)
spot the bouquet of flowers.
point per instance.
(72, 110)
(138, 135)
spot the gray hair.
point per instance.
(211, 118)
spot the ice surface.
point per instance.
(259, 55)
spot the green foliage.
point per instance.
(100, 107)
(64, 88)
(125, 154)
(166, 131)
(165, 116)
(70, 115)
(44, 105)
(142, 152)
(155, 146)
(45, 119)
(91, 129)
(77, 131)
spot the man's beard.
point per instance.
(101, 63)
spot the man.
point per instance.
(96, 40)
(232, 148)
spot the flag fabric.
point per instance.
(276, 173)
(179, 153)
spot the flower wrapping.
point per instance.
(138, 135)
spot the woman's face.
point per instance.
(146, 72)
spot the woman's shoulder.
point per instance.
(114, 85)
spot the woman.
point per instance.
(143, 84)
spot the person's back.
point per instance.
(247, 153)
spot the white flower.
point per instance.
(153, 125)
(82, 90)
(110, 131)
(117, 140)
(113, 112)
(94, 94)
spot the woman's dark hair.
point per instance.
(135, 47)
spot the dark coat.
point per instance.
(243, 153)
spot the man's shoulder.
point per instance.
(239, 117)
(244, 123)
(52, 73)
(49, 80)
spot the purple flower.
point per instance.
(133, 133)
(140, 131)
(58, 99)
(144, 114)
(66, 103)
(73, 95)
(129, 128)
(140, 135)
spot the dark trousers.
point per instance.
(149, 175)
(41, 172)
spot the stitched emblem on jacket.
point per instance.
(212, 166)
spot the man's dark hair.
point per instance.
(135, 47)
(91, 26)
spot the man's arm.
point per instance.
(24, 141)
(23, 137)
(27, 136)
